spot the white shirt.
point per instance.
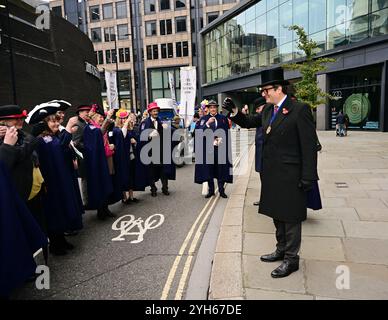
(282, 101)
(155, 123)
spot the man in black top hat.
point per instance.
(289, 165)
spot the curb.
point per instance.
(226, 281)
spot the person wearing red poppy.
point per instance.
(289, 168)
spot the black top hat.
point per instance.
(212, 103)
(42, 111)
(12, 112)
(259, 102)
(273, 77)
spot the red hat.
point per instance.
(84, 107)
(152, 106)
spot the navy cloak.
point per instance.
(99, 181)
(207, 171)
(120, 179)
(137, 180)
(61, 203)
(20, 237)
(259, 140)
(169, 169)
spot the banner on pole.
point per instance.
(171, 81)
(188, 93)
(111, 89)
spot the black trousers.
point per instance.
(289, 237)
(220, 186)
(156, 171)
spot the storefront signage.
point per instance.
(91, 69)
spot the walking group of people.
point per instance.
(51, 173)
(54, 172)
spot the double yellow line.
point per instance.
(201, 219)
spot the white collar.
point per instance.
(282, 101)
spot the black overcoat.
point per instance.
(289, 155)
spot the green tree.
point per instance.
(307, 89)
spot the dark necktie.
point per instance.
(275, 108)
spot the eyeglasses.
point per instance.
(267, 89)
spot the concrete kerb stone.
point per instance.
(226, 281)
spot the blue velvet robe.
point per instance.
(20, 237)
(99, 181)
(168, 168)
(62, 206)
(221, 172)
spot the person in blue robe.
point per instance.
(20, 234)
(61, 204)
(207, 169)
(158, 169)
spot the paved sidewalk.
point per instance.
(350, 233)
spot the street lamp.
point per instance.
(6, 7)
(117, 67)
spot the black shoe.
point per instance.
(57, 250)
(70, 233)
(109, 213)
(134, 200)
(223, 195)
(285, 269)
(68, 245)
(128, 201)
(101, 214)
(165, 192)
(272, 257)
(257, 203)
(153, 194)
(209, 195)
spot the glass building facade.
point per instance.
(258, 37)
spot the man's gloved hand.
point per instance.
(306, 185)
(228, 104)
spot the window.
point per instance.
(94, 13)
(163, 49)
(155, 51)
(180, 4)
(167, 50)
(152, 52)
(57, 11)
(317, 16)
(212, 2)
(124, 78)
(108, 56)
(95, 34)
(158, 83)
(149, 52)
(108, 10)
(124, 55)
(193, 49)
(122, 31)
(164, 4)
(150, 28)
(149, 6)
(165, 27)
(109, 34)
(182, 49)
(211, 16)
(180, 24)
(228, 1)
(121, 9)
(100, 57)
(170, 52)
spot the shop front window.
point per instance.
(357, 93)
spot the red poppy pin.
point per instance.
(285, 111)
